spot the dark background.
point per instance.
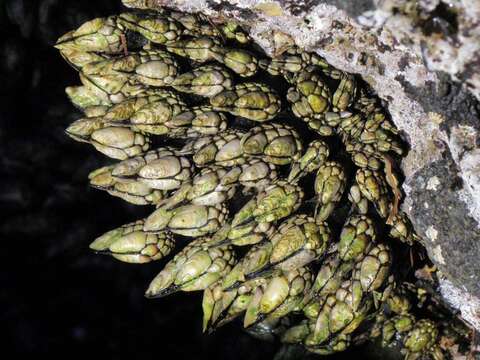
(58, 298)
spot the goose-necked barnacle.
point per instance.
(314, 207)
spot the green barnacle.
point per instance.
(187, 220)
(356, 238)
(329, 186)
(161, 169)
(101, 35)
(131, 244)
(374, 188)
(253, 101)
(223, 149)
(194, 268)
(132, 191)
(199, 49)
(208, 80)
(155, 28)
(280, 295)
(298, 242)
(288, 230)
(286, 64)
(315, 156)
(275, 143)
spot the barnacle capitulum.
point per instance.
(129, 243)
(250, 100)
(233, 166)
(135, 192)
(208, 81)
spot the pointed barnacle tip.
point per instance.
(96, 246)
(149, 294)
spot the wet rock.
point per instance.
(423, 59)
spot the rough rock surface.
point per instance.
(423, 59)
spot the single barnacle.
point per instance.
(242, 62)
(122, 111)
(359, 202)
(162, 169)
(379, 131)
(315, 60)
(274, 203)
(119, 143)
(192, 269)
(194, 24)
(140, 4)
(373, 187)
(78, 58)
(402, 229)
(255, 173)
(207, 121)
(255, 259)
(134, 192)
(206, 188)
(398, 302)
(83, 97)
(220, 307)
(287, 64)
(281, 295)
(101, 35)
(297, 334)
(422, 340)
(310, 99)
(374, 268)
(159, 117)
(200, 49)
(356, 238)
(275, 143)
(315, 156)
(345, 93)
(155, 68)
(128, 75)
(337, 344)
(253, 101)
(349, 126)
(277, 201)
(329, 278)
(223, 149)
(353, 304)
(297, 242)
(187, 220)
(329, 186)
(202, 120)
(113, 90)
(233, 31)
(249, 233)
(208, 80)
(335, 318)
(83, 128)
(129, 243)
(364, 156)
(398, 324)
(154, 27)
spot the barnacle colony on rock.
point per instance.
(317, 209)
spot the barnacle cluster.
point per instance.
(281, 224)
